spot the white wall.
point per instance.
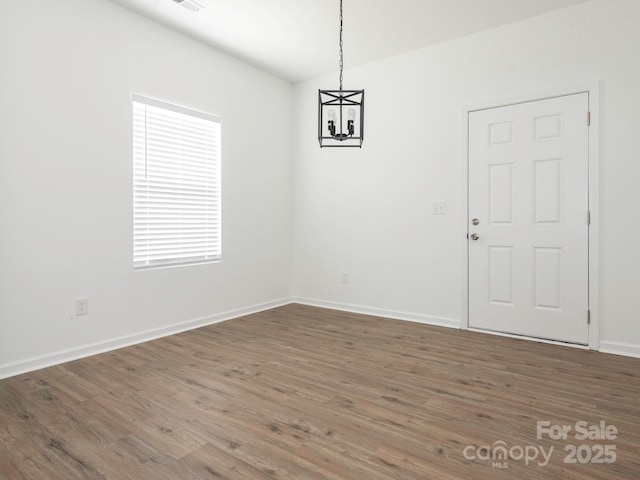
(68, 68)
(368, 212)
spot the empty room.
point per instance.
(319, 239)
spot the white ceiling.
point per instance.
(298, 39)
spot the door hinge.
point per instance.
(588, 317)
(588, 119)
(588, 217)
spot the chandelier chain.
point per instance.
(341, 52)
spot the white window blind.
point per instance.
(176, 185)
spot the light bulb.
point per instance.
(351, 114)
(331, 115)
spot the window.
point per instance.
(176, 185)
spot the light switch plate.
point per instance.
(439, 208)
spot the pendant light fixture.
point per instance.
(340, 112)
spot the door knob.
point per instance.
(474, 236)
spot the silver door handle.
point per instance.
(474, 236)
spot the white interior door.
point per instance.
(528, 219)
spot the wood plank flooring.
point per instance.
(305, 393)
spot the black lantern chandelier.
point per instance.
(340, 113)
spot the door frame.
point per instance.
(594, 197)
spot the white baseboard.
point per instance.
(63, 356)
(379, 312)
(618, 348)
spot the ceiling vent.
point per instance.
(190, 5)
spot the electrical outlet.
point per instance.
(344, 277)
(82, 306)
(439, 208)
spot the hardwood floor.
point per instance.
(305, 393)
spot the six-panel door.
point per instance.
(528, 194)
